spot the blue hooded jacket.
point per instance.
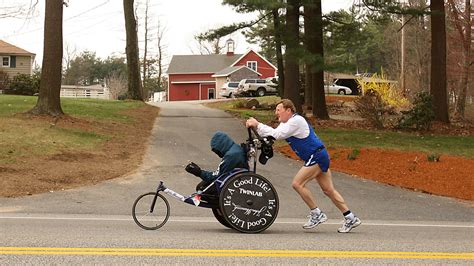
(232, 156)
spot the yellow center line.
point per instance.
(234, 253)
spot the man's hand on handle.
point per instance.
(251, 122)
(194, 169)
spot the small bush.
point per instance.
(433, 157)
(123, 96)
(371, 107)
(4, 81)
(353, 154)
(420, 116)
(23, 85)
(238, 104)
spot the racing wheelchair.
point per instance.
(241, 200)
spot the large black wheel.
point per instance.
(261, 92)
(249, 203)
(220, 217)
(147, 217)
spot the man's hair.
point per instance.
(287, 104)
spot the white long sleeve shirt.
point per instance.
(296, 126)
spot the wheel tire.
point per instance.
(141, 211)
(341, 92)
(220, 217)
(249, 203)
(261, 92)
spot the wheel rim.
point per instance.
(249, 203)
(150, 220)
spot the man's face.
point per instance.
(282, 113)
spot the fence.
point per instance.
(95, 92)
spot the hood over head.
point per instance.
(221, 143)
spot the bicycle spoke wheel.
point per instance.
(147, 218)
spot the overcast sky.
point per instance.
(98, 25)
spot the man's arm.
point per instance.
(283, 131)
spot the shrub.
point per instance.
(433, 157)
(23, 85)
(353, 154)
(380, 99)
(388, 91)
(420, 116)
(371, 107)
(3, 80)
(238, 104)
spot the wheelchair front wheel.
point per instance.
(148, 217)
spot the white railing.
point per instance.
(95, 92)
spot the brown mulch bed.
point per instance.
(451, 176)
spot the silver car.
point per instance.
(336, 89)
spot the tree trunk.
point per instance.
(145, 64)
(160, 56)
(465, 32)
(308, 44)
(292, 88)
(314, 16)
(49, 102)
(279, 54)
(438, 61)
(133, 64)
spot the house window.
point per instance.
(5, 61)
(252, 65)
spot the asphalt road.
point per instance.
(93, 224)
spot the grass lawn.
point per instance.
(20, 136)
(358, 138)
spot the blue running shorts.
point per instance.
(321, 158)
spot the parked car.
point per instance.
(337, 89)
(256, 87)
(228, 89)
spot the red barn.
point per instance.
(199, 77)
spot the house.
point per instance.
(15, 60)
(199, 77)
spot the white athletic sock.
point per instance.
(316, 211)
(350, 216)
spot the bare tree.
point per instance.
(160, 33)
(205, 47)
(147, 3)
(70, 54)
(134, 84)
(463, 24)
(49, 101)
(18, 10)
(117, 85)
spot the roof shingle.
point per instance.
(10, 49)
(200, 63)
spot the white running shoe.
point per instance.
(349, 224)
(314, 220)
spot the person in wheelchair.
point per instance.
(232, 156)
